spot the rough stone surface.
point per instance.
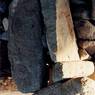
(59, 30)
(25, 45)
(72, 69)
(84, 86)
(85, 30)
(84, 55)
(89, 46)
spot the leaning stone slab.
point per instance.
(89, 46)
(59, 30)
(84, 86)
(25, 45)
(72, 69)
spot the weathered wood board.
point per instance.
(59, 30)
(72, 69)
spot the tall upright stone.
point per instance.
(25, 45)
(59, 30)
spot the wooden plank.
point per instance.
(72, 69)
(59, 30)
(84, 86)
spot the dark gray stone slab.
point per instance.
(84, 86)
(25, 45)
(59, 30)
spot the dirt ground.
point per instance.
(7, 85)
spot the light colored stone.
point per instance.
(84, 86)
(59, 30)
(72, 69)
(88, 86)
(13, 93)
(5, 24)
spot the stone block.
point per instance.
(84, 86)
(59, 30)
(72, 69)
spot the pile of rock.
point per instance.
(27, 59)
(70, 64)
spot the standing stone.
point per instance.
(59, 30)
(72, 69)
(84, 86)
(25, 45)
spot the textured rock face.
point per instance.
(73, 69)
(84, 86)
(89, 46)
(85, 30)
(59, 30)
(93, 9)
(81, 9)
(25, 45)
